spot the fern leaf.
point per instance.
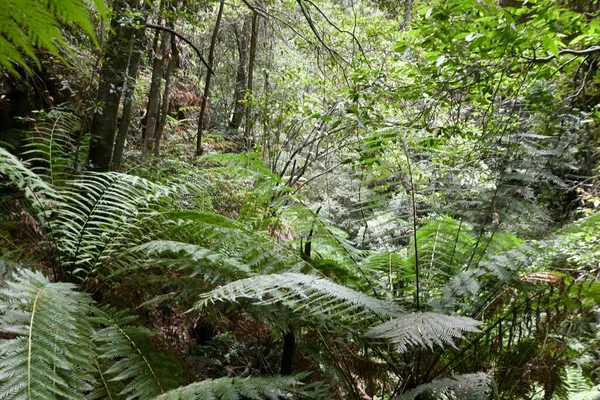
(27, 24)
(99, 216)
(467, 386)
(127, 356)
(47, 353)
(314, 296)
(51, 149)
(214, 265)
(424, 329)
(237, 388)
(233, 239)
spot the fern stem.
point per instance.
(102, 377)
(30, 342)
(162, 390)
(413, 211)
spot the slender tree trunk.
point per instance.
(132, 74)
(205, 95)
(407, 9)
(287, 356)
(241, 80)
(162, 121)
(249, 122)
(154, 97)
(112, 77)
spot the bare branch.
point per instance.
(584, 52)
(180, 36)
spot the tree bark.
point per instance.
(287, 356)
(205, 95)
(162, 120)
(132, 74)
(241, 80)
(249, 122)
(154, 97)
(112, 77)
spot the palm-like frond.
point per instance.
(466, 387)
(51, 150)
(202, 261)
(126, 355)
(424, 330)
(232, 239)
(238, 388)
(46, 351)
(99, 216)
(316, 297)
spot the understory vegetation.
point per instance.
(275, 199)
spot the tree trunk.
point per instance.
(112, 77)
(287, 356)
(249, 122)
(132, 74)
(154, 97)
(407, 9)
(241, 80)
(205, 95)
(162, 121)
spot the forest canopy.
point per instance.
(276, 199)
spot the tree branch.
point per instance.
(584, 52)
(180, 36)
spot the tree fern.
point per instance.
(424, 330)
(46, 348)
(316, 297)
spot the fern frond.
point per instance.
(40, 194)
(46, 352)
(99, 216)
(211, 264)
(314, 296)
(238, 388)
(126, 355)
(579, 388)
(50, 149)
(424, 329)
(27, 24)
(232, 239)
(467, 386)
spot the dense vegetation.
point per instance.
(362, 199)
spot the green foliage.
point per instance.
(27, 24)
(468, 386)
(128, 355)
(238, 388)
(45, 351)
(424, 330)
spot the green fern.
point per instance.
(465, 387)
(51, 149)
(46, 351)
(316, 297)
(424, 330)
(239, 388)
(127, 355)
(27, 24)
